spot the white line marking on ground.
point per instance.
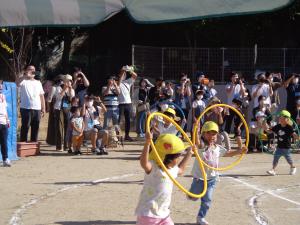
(260, 219)
(270, 192)
(253, 205)
(16, 218)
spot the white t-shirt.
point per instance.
(55, 92)
(212, 92)
(3, 109)
(30, 91)
(211, 157)
(198, 103)
(78, 123)
(264, 90)
(90, 118)
(155, 198)
(171, 129)
(125, 86)
(235, 93)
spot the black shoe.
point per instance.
(127, 138)
(77, 153)
(99, 151)
(103, 150)
(70, 151)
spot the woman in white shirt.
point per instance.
(62, 94)
(262, 88)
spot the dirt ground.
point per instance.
(57, 188)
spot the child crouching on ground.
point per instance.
(210, 153)
(77, 124)
(284, 132)
(155, 199)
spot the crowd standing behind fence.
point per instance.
(191, 96)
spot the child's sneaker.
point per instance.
(271, 172)
(7, 163)
(293, 170)
(202, 221)
(77, 152)
(104, 152)
(99, 151)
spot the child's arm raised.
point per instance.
(184, 161)
(231, 153)
(144, 159)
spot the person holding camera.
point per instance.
(276, 82)
(80, 85)
(264, 87)
(202, 84)
(110, 98)
(183, 94)
(235, 89)
(93, 131)
(32, 104)
(125, 103)
(143, 104)
(156, 91)
(292, 86)
(62, 93)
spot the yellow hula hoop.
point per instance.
(195, 134)
(161, 164)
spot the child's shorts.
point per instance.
(77, 140)
(145, 220)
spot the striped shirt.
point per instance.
(111, 99)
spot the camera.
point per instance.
(238, 80)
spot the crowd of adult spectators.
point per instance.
(76, 116)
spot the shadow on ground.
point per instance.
(101, 157)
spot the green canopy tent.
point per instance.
(91, 12)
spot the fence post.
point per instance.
(162, 63)
(132, 55)
(223, 58)
(284, 62)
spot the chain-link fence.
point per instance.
(217, 63)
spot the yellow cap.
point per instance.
(285, 113)
(173, 112)
(210, 126)
(168, 144)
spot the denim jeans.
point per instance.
(3, 141)
(286, 152)
(111, 114)
(197, 188)
(30, 118)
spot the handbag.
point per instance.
(143, 107)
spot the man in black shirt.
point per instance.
(155, 92)
(284, 132)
